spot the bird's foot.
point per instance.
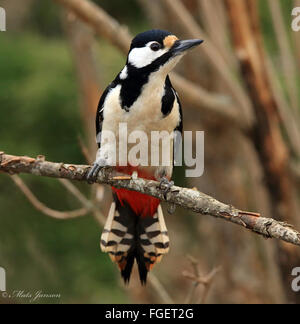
(165, 185)
(93, 173)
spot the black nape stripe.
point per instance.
(137, 77)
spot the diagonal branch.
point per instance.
(213, 15)
(198, 279)
(192, 28)
(43, 208)
(84, 201)
(268, 138)
(160, 289)
(100, 21)
(186, 198)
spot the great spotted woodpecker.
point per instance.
(142, 98)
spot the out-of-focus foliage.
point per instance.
(45, 17)
(267, 26)
(39, 114)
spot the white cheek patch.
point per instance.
(141, 57)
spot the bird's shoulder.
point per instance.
(101, 106)
(179, 127)
(169, 100)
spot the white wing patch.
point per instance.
(124, 73)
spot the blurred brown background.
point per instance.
(241, 87)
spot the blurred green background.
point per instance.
(39, 114)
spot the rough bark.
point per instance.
(190, 199)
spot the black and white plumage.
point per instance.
(143, 98)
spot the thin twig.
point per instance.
(198, 279)
(217, 28)
(215, 103)
(192, 28)
(85, 150)
(42, 207)
(157, 285)
(208, 281)
(195, 284)
(84, 201)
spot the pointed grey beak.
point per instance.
(182, 46)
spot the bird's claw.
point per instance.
(165, 185)
(93, 173)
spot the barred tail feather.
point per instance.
(127, 237)
(154, 238)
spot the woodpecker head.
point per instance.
(157, 51)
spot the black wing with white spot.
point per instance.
(177, 155)
(100, 111)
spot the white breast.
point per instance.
(144, 115)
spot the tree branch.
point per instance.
(84, 201)
(186, 198)
(101, 22)
(192, 28)
(43, 208)
(160, 289)
(267, 137)
(198, 279)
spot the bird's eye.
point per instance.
(155, 47)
